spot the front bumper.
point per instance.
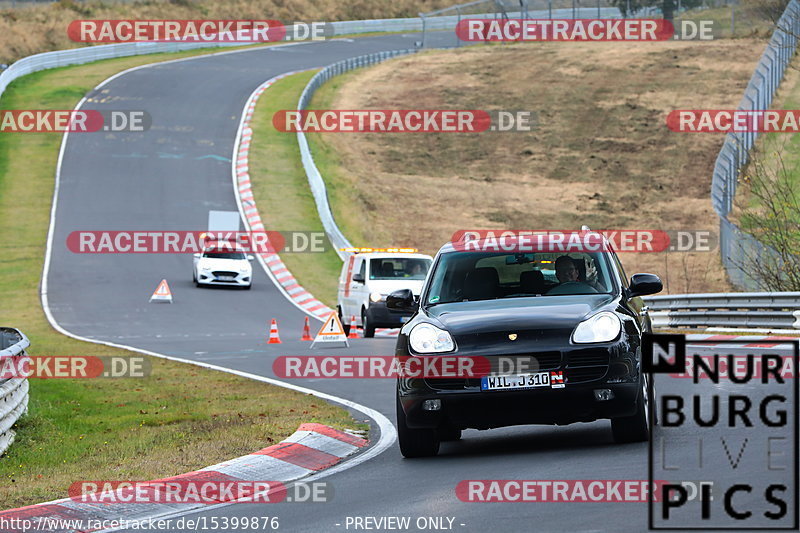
(230, 278)
(382, 317)
(485, 410)
(615, 366)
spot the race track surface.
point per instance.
(165, 179)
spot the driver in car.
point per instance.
(566, 270)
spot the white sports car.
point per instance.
(223, 264)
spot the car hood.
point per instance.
(222, 264)
(538, 322)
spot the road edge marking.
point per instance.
(387, 431)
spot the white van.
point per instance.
(366, 280)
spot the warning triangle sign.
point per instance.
(162, 294)
(331, 331)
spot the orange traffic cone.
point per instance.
(306, 332)
(274, 338)
(353, 328)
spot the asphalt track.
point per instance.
(169, 178)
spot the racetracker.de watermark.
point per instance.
(589, 241)
(734, 121)
(74, 367)
(190, 242)
(205, 489)
(510, 30)
(226, 31)
(382, 367)
(555, 490)
(403, 121)
(82, 121)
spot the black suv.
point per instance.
(574, 318)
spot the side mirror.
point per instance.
(197, 256)
(401, 300)
(358, 277)
(251, 258)
(644, 284)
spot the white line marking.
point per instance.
(388, 434)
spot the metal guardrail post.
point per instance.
(458, 15)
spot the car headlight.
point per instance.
(376, 297)
(602, 327)
(427, 338)
(244, 269)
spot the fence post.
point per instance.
(458, 22)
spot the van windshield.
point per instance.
(472, 276)
(398, 268)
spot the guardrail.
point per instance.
(88, 54)
(736, 244)
(13, 391)
(771, 310)
(315, 180)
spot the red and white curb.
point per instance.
(311, 449)
(281, 275)
(748, 341)
(293, 290)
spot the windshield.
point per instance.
(472, 276)
(398, 268)
(224, 255)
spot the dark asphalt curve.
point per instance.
(168, 178)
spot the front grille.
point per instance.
(586, 365)
(218, 273)
(589, 373)
(534, 363)
(453, 383)
(588, 358)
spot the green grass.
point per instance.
(774, 150)
(174, 421)
(346, 199)
(281, 189)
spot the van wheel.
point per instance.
(369, 329)
(415, 442)
(345, 326)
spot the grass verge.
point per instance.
(281, 189)
(777, 150)
(180, 418)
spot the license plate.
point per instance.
(404, 319)
(225, 278)
(516, 381)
